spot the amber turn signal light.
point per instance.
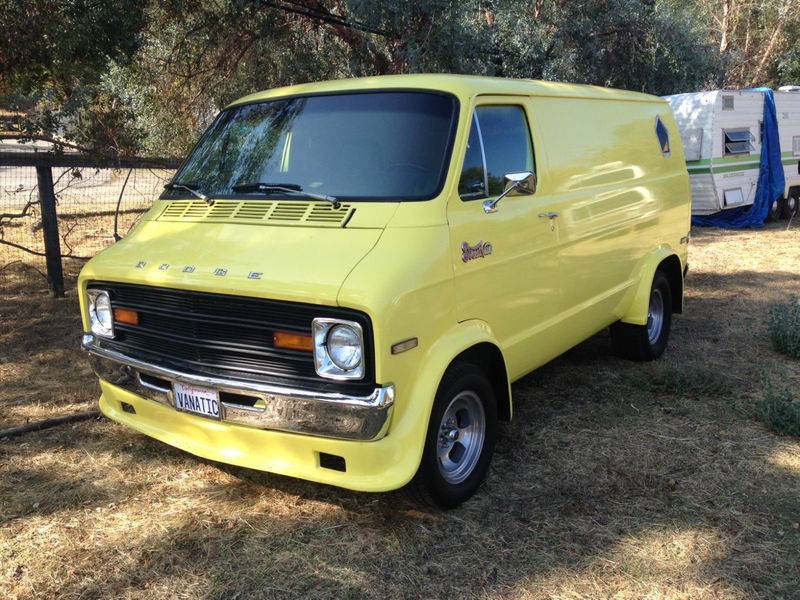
(126, 315)
(292, 341)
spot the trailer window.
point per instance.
(727, 103)
(737, 141)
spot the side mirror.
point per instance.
(522, 183)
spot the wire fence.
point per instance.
(86, 192)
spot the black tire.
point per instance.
(775, 211)
(431, 484)
(789, 207)
(646, 342)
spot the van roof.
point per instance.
(463, 86)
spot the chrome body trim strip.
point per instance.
(276, 408)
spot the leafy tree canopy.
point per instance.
(129, 76)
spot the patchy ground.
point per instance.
(615, 479)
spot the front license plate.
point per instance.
(197, 400)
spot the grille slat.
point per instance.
(223, 335)
(258, 211)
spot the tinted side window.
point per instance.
(506, 143)
(472, 183)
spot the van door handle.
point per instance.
(548, 215)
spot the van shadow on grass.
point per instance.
(614, 478)
(612, 473)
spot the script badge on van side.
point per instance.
(479, 250)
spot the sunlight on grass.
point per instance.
(787, 457)
(663, 562)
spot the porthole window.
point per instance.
(662, 133)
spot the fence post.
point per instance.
(52, 241)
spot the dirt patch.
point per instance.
(614, 480)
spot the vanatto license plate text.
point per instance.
(197, 400)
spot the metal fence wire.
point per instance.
(85, 195)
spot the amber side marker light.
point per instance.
(126, 315)
(292, 341)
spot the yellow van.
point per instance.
(344, 278)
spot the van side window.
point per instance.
(506, 143)
(736, 141)
(499, 143)
(472, 183)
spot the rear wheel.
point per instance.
(789, 207)
(461, 437)
(648, 341)
(775, 210)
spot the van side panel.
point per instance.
(620, 199)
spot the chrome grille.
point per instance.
(219, 334)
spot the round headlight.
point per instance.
(100, 313)
(344, 347)
(102, 308)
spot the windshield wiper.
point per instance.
(174, 185)
(289, 188)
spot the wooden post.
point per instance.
(52, 241)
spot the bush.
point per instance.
(784, 327)
(779, 410)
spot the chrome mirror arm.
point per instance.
(523, 182)
(490, 206)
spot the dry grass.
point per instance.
(615, 479)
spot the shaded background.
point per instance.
(145, 77)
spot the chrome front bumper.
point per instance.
(276, 408)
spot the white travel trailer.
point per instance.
(721, 133)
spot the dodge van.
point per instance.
(343, 279)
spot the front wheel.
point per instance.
(648, 341)
(461, 437)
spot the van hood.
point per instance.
(300, 264)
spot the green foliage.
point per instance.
(147, 76)
(645, 46)
(789, 66)
(53, 55)
(779, 410)
(784, 327)
(62, 44)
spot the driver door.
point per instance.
(506, 262)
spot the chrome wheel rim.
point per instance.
(775, 206)
(461, 435)
(792, 202)
(655, 316)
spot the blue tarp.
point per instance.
(771, 181)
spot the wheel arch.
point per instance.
(671, 267)
(489, 357)
(666, 260)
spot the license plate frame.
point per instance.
(197, 400)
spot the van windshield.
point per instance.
(364, 146)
